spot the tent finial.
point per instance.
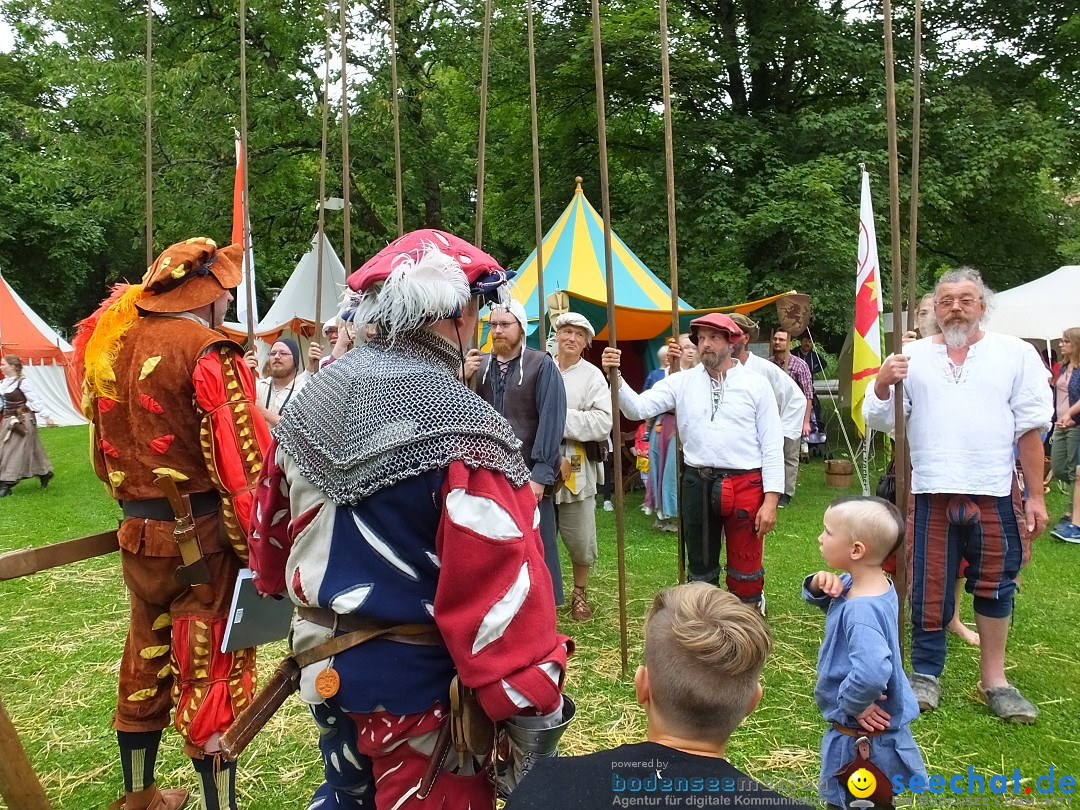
(579, 180)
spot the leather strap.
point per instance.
(408, 633)
(855, 732)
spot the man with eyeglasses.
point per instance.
(969, 396)
(286, 379)
(524, 385)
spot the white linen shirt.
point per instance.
(789, 396)
(743, 434)
(33, 401)
(962, 429)
(274, 399)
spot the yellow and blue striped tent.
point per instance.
(574, 276)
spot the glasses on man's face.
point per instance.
(966, 302)
(496, 326)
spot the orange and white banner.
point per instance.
(241, 232)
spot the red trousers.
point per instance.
(715, 507)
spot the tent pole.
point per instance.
(245, 210)
(900, 454)
(538, 215)
(322, 171)
(397, 118)
(613, 374)
(673, 244)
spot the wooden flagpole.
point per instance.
(613, 373)
(916, 125)
(538, 216)
(245, 211)
(900, 449)
(478, 236)
(322, 170)
(150, 133)
(673, 245)
(397, 119)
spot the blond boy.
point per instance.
(704, 651)
(861, 688)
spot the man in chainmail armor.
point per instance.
(394, 497)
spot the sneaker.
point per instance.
(1069, 532)
(647, 510)
(609, 506)
(784, 501)
(927, 690)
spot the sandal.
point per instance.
(1009, 704)
(579, 605)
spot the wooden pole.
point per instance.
(19, 785)
(916, 125)
(245, 209)
(900, 454)
(673, 243)
(481, 148)
(345, 165)
(149, 133)
(322, 171)
(538, 215)
(397, 119)
(613, 374)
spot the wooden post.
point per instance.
(478, 236)
(900, 453)
(673, 247)
(397, 119)
(537, 212)
(19, 785)
(613, 374)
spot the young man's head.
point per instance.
(507, 324)
(704, 652)
(781, 343)
(860, 530)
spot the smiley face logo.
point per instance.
(861, 783)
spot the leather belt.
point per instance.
(202, 503)
(712, 473)
(855, 732)
(350, 623)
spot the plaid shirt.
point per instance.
(800, 373)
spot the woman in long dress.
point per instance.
(21, 453)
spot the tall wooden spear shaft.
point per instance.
(613, 374)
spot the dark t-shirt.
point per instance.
(641, 775)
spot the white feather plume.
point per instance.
(416, 293)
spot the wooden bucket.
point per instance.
(839, 473)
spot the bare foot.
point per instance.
(965, 632)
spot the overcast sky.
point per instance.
(5, 37)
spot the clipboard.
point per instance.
(253, 619)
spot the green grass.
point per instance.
(62, 633)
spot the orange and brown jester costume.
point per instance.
(168, 395)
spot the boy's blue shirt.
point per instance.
(859, 660)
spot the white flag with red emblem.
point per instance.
(866, 357)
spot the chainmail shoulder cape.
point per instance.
(386, 412)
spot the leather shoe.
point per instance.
(5, 489)
(172, 799)
(46, 478)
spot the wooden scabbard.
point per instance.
(26, 561)
(284, 681)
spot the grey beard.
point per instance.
(957, 336)
(721, 358)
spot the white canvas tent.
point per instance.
(293, 311)
(45, 355)
(1041, 309)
